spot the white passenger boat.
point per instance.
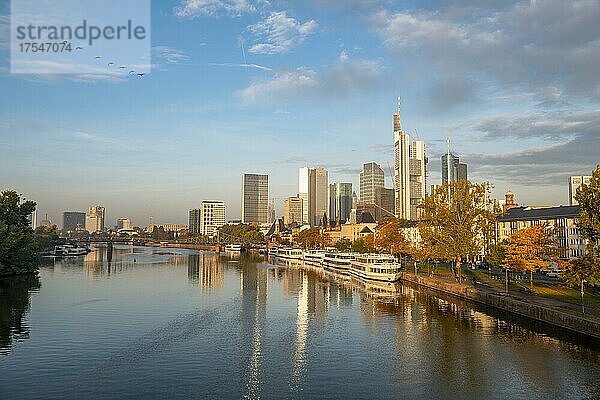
(379, 267)
(314, 257)
(338, 261)
(290, 253)
(233, 248)
(70, 250)
(273, 251)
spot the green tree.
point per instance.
(588, 197)
(18, 248)
(364, 245)
(343, 244)
(310, 238)
(495, 255)
(454, 221)
(580, 272)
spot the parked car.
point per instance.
(553, 274)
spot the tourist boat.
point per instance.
(273, 251)
(379, 267)
(314, 257)
(70, 250)
(233, 248)
(338, 261)
(290, 253)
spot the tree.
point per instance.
(343, 244)
(578, 273)
(389, 237)
(529, 249)
(454, 220)
(588, 197)
(495, 256)
(18, 248)
(364, 245)
(310, 238)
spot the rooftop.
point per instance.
(533, 213)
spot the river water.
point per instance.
(161, 323)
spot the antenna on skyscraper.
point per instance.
(417, 134)
(399, 115)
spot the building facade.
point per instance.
(410, 172)
(95, 219)
(372, 177)
(255, 198)
(313, 185)
(340, 201)
(194, 221)
(212, 217)
(562, 218)
(123, 223)
(292, 211)
(452, 169)
(73, 221)
(575, 183)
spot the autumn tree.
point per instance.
(389, 237)
(529, 249)
(454, 219)
(310, 238)
(364, 245)
(343, 244)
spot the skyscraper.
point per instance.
(313, 183)
(410, 171)
(452, 169)
(212, 217)
(73, 220)
(255, 198)
(384, 199)
(371, 178)
(292, 211)
(194, 221)
(95, 219)
(340, 201)
(575, 183)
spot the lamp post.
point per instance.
(582, 303)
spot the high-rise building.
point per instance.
(271, 212)
(292, 211)
(384, 200)
(371, 178)
(194, 221)
(212, 217)
(123, 223)
(255, 198)
(575, 183)
(340, 201)
(313, 183)
(73, 221)
(95, 219)
(410, 171)
(33, 218)
(452, 169)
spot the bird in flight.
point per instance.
(65, 42)
(110, 63)
(78, 48)
(122, 67)
(131, 72)
(142, 74)
(97, 57)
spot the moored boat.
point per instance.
(314, 257)
(290, 253)
(233, 248)
(338, 261)
(70, 250)
(379, 267)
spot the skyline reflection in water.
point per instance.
(177, 323)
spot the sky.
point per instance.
(271, 86)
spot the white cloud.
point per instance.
(197, 8)
(279, 33)
(169, 55)
(282, 84)
(339, 80)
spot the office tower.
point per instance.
(575, 183)
(410, 171)
(371, 178)
(313, 183)
(271, 212)
(33, 219)
(384, 199)
(340, 201)
(255, 198)
(73, 221)
(194, 221)
(95, 219)
(212, 217)
(123, 223)
(292, 211)
(452, 169)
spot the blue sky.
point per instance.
(270, 86)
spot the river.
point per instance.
(159, 323)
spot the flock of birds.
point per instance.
(79, 48)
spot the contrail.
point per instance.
(244, 65)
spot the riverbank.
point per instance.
(546, 310)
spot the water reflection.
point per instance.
(15, 295)
(206, 270)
